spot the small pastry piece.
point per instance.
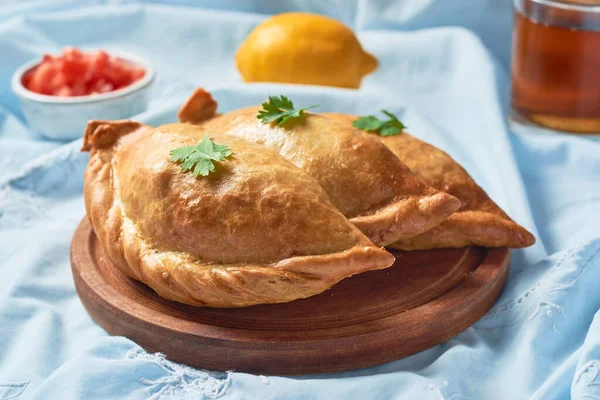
(362, 177)
(255, 230)
(479, 221)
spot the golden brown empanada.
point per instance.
(256, 230)
(479, 221)
(362, 177)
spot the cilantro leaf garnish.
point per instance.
(200, 158)
(389, 127)
(280, 109)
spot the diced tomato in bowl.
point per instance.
(75, 73)
(60, 93)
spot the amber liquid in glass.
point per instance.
(556, 75)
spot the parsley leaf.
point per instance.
(390, 127)
(280, 109)
(200, 158)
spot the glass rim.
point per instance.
(571, 5)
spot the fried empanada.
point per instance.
(362, 177)
(479, 221)
(256, 230)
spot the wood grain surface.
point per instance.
(424, 299)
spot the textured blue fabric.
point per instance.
(449, 84)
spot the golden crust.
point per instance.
(198, 107)
(257, 230)
(479, 221)
(362, 177)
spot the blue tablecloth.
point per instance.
(444, 69)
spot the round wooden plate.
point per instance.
(425, 298)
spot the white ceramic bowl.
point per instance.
(64, 118)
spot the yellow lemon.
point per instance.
(304, 48)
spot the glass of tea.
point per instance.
(556, 65)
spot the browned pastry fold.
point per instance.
(257, 230)
(362, 177)
(479, 221)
